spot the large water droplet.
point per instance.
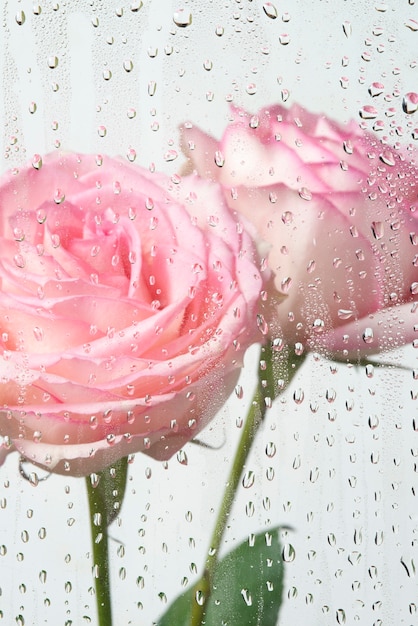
(182, 18)
(368, 112)
(368, 335)
(347, 30)
(248, 479)
(378, 230)
(410, 102)
(270, 10)
(412, 24)
(288, 553)
(20, 18)
(376, 89)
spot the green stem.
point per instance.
(105, 492)
(99, 537)
(264, 394)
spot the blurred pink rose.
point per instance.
(125, 310)
(339, 210)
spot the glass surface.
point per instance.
(334, 464)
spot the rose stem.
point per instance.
(255, 416)
(99, 538)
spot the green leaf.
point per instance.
(247, 587)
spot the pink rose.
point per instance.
(339, 210)
(125, 310)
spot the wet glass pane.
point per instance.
(208, 312)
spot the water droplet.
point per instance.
(182, 18)
(219, 158)
(347, 29)
(318, 326)
(410, 102)
(52, 62)
(37, 161)
(298, 395)
(376, 89)
(128, 65)
(409, 566)
(20, 17)
(270, 10)
(412, 24)
(101, 131)
(387, 158)
(19, 260)
(38, 333)
(345, 314)
(340, 616)
(152, 88)
(368, 335)
(59, 196)
(284, 39)
(285, 94)
(251, 89)
(262, 324)
(305, 194)
(248, 479)
(270, 449)
(247, 597)
(136, 5)
(288, 553)
(182, 457)
(368, 112)
(42, 576)
(170, 155)
(378, 230)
